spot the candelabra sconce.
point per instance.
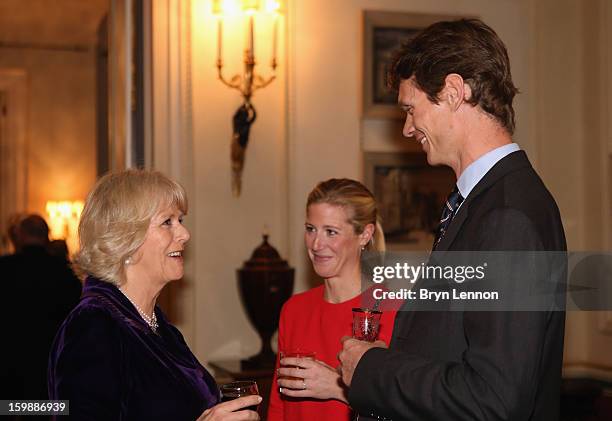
(249, 81)
(64, 219)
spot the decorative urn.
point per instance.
(265, 282)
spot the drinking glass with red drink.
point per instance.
(366, 324)
(234, 390)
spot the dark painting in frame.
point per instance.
(410, 194)
(383, 34)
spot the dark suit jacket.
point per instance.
(468, 365)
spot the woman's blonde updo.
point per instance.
(356, 200)
(116, 217)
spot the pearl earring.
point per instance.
(128, 261)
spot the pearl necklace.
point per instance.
(149, 320)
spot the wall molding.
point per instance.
(14, 146)
(170, 143)
(120, 83)
(605, 36)
(606, 45)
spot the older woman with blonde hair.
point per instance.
(116, 356)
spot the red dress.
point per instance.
(309, 323)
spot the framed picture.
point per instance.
(410, 194)
(383, 34)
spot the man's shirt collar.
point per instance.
(479, 168)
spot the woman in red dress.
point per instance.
(341, 223)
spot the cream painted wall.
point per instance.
(556, 63)
(597, 24)
(571, 76)
(229, 228)
(61, 122)
(559, 104)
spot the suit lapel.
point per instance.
(507, 164)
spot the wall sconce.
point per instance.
(249, 81)
(64, 221)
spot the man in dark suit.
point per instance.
(455, 85)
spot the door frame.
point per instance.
(14, 156)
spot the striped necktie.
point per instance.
(453, 202)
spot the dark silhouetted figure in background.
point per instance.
(38, 292)
(59, 248)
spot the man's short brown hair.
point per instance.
(469, 48)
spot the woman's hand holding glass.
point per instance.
(309, 378)
(234, 410)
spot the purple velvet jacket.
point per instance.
(109, 364)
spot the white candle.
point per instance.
(219, 38)
(274, 38)
(251, 43)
